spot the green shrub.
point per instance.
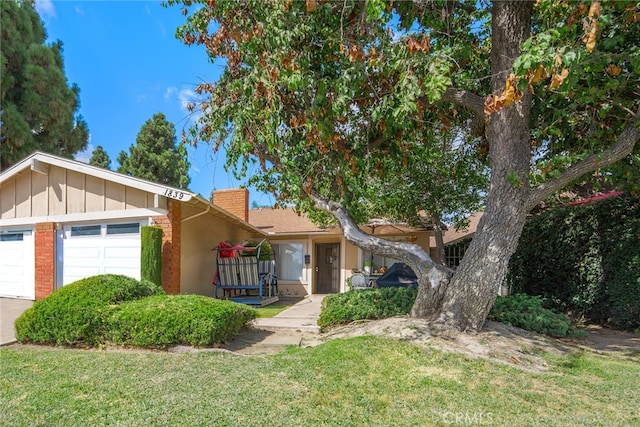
(366, 304)
(151, 254)
(527, 312)
(165, 320)
(585, 258)
(76, 313)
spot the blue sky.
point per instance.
(125, 59)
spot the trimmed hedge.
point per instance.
(76, 313)
(366, 304)
(164, 320)
(585, 260)
(122, 310)
(526, 312)
(151, 254)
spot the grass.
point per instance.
(277, 307)
(346, 382)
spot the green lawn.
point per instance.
(362, 381)
(277, 307)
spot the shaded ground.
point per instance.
(502, 343)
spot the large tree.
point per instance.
(330, 96)
(155, 155)
(37, 106)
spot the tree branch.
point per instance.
(369, 242)
(466, 99)
(622, 148)
(470, 101)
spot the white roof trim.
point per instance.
(37, 159)
(84, 217)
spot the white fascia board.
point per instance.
(85, 217)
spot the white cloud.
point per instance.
(187, 96)
(85, 156)
(45, 8)
(79, 10)
(168, 94)
(184, 96)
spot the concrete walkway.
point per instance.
(301, 317)
(294, 326)
(10, 310)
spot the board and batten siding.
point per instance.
(62, 191)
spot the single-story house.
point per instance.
(62, 220)
(315, 260)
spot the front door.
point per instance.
(327, 268)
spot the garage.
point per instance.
(16, 263)
(92, 249)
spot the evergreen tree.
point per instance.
(100, 158)
(155, 156)
(37, 105)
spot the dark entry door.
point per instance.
(327, 268)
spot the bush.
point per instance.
(151, 254)
(76, 313)
(366, 304)
(585, 258)
(165, 320)
(527, 312)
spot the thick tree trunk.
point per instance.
(473, 289)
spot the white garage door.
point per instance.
(17, 264)
(89, 250)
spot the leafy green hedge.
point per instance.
(165, 320)
(584, 259)
(151, 254)
(366, 304)
(526, 312)
(76, 313)
(121, 310)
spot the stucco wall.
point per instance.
(199, 236)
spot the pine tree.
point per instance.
(100, 158)
(37, 105)
(155, 156)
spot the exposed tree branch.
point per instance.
(620, 149)
(370, 242)
(466, 99)
(470, 101)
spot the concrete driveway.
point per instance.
(10, 310)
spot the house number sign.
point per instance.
(178, 195)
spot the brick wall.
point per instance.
(234, 201)
(171, 230)
(45, 274)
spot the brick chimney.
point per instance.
(235, 201)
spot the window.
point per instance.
(289, 261)
(378, 260)
(130, 228)
(85, 230)
(455, 251)
(12, 237)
